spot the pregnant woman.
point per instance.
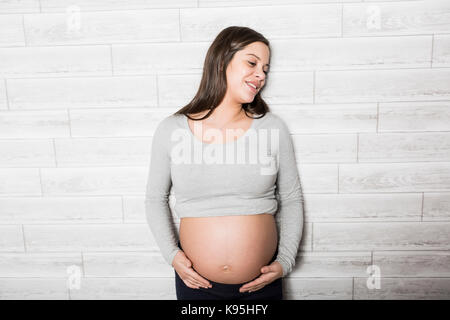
(241, 220)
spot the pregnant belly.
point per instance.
(229, 249)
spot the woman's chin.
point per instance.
(249, 98)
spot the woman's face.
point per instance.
(248, 65)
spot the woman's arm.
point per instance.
(159, 182)
(289, 216)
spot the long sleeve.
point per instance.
(159, 182)
(289, 216)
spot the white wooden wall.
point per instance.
(364, 87)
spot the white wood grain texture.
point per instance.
(98, 181)
(81, 92)
(381, 236)
(20, 182)
(325, 148)
(288, 88)
(328, 118)
(39, 265)
(382, 85)
(88, 5)
(89, 237)
(309, 20)
(11, 30)
(387, 0)
(404, 147)
(413, 264)
(239, 3)
(49, 210)
(177, 90)
(106, 27)
(19, 6)
(306, 240)
(27, 153)
(396, 18)
(317, 288)
(159, 58)
(134, 209)
(394, 177)
(331, 264)
(363, 207)
(33, 289)
(11, 238)
(55, 61)
(34, 124)
(3, 96)
(319, 178)
(441, 50)
(414, 116)
(350, 53)
(126, 264)
(404, 289)
(82, 152)
(120, 122)
(436, 206)
(125, 289)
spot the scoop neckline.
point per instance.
(186, 123)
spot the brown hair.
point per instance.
(213, 84)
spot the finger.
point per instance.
(266, 269)
(247, 288)
(259, 287)
(190, 285)
(187, 279)
(193, 281)
(255, 286)
(251, 284)
(198, 283)
(199, 278)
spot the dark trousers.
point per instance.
(224, 291)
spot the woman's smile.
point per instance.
(252, 89)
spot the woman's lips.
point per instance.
(251, 88)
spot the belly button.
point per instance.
(226, 268)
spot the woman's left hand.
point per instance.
(269, 274)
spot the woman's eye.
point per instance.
(253, 64)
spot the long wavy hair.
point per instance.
(213, 84)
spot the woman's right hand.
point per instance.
(183, 266)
